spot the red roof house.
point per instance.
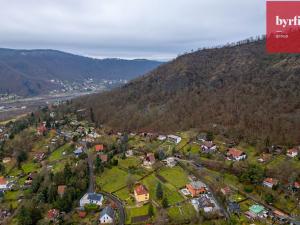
(53, 214)
(99, 148)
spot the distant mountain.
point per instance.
(238, 90)
(28, 72)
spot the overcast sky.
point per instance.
(154, 29)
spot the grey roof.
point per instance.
(94, 197)
(78, 151)
(197, 184)
(107, 211)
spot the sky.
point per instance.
(152, 29)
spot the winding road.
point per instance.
(91, 188)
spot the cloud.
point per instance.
(128, 28)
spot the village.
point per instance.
(77, 172)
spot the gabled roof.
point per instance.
(257, 209)
(99, 148)
(234, 152)
(3, 181)
(196, 185)
(107, 211)
(141, 189)
(94, 197)
(271, 181)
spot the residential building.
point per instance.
(78, 151)
(149, 160)
(52, 214)
(162, 137)
(91, 198)
(4, 184)
(99, 148)
(6, 160)
(292, 152)
(258, 211)
(270, 182)
(196, 188)
(235, 154)
(141, 193)
(208, 147)
(107, 215)
(171, 161)
(173, 138)
(61, 189)
(205, 203)
(103, 157)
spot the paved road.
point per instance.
(91, 188)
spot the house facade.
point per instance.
(141, 193)
(91, 198)
(173, 138)
(107, 215)
(196, 188)
(270, 182)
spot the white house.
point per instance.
(107, 215)
(3, 183)
(161, 138)
(270, 182)
(292, 152)
(91, 198)
(171, 161)
(173, 138)
(208, 146)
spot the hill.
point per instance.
(237, 90)
(28, 72)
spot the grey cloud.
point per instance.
(128, 28)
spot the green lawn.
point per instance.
(112, 179)
(179, 213)
(130, 161)
(169, 191)
(58, 153)
(175, 176)
(30, 167)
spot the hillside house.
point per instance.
(174, 139)
(208, 147)
(196, 188)
(61, 189)
(264, 158)
(149, 160)
(292, 152)
(270, 182)
(257, 211)
(103, 157)
(91, 198)
(78, 151)
(226, 191)
(141, 193)
(107, 215)
(40, 156)
(162, 137)
(52, 214)
(129, 153)
(235, 154)
(99, 148)
(171, 162)
(41, 129)
(6, 160)
(205, 203)
(4, 184)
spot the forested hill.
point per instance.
(28, 72)
(238, 90)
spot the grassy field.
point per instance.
(58, 153)
(30, 167)
(130, 161)
(135, 212)
(169, 191)
(112, 179)
(175, 176)
(182, 212)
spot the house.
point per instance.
(107, 215)
(149, 160)
(91, 198)
(208, 147)
(40, 156)
(41, 129)
(141, 193)
(99, 148)
(196, 188)
(103, 157)
(6, 160)
(226, 191)
(292, 152)
(234, 208)
(52, 214)
(258, 211)
(173, 138)
(171, 162)
(61, 189)
(78, 151)
(270, 182)
(264, 158)
(205, 203)
(129, 153)
(162, 137)
(29, 179)
(4, 184)
(235, 154)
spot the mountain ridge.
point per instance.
(37, 67)
(238, 90)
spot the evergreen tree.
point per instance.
(159, 191)
(150, 210)
(165, 203)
